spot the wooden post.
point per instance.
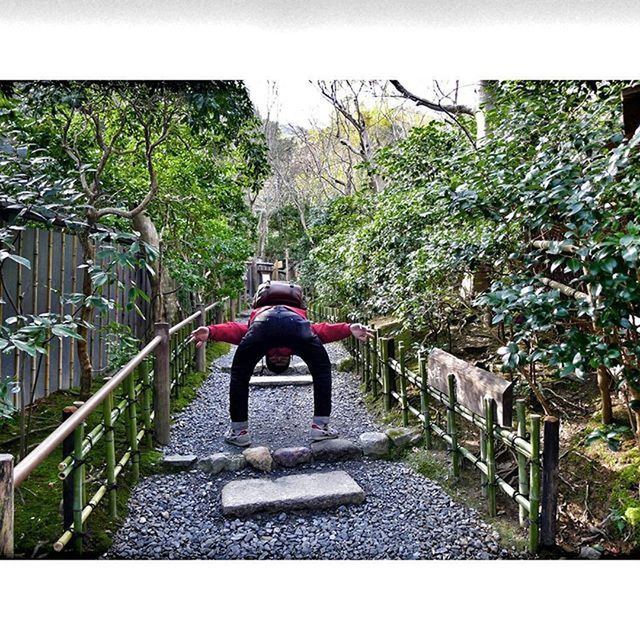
(523, 481)
(550, 458)
(374, 364)
(67, 483)
(132, 425)
(452, 426)
(146, 401)
(424, 399)
(403, 386)
(491, 457)
(110, 453)
(534, 475)
(386, 376)
(162, 385)
(201, 353)
(6, 505)
(483, 457)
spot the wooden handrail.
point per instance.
(22, 471)
(44, 449)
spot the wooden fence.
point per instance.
(449, 389)
(123, 413)
(55, 256)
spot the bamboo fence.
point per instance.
(55, 255)
(439, 414)
(131, 405)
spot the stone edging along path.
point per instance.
(373, 444)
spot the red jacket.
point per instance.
(233, 332)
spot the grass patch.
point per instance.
(38, 501)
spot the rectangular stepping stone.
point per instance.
(279, 381)
(300, 491)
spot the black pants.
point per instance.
(279, 327)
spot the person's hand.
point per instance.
(200, 335)
(361, 332)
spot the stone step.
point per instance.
(300, 491)
(279, 381)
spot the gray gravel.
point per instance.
(404, 516)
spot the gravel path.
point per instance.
(404, 516)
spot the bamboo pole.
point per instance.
(404, 403)
(374, 364)
(161, 385)
(483, 457)
(201, 353)
(63, 238)
(550, 459)
(34, 292)
(94, 501)
(367, 365)
(74, 276)
(534, 494)
(491, 458)
(391, 354)
(68, 480)
(146, 400)
(47, 359)
(452, 426)
(110, 454)
(78, 487)
(424, 400)
(523, 481)
(17, 357)
(6, 505)
(132, 425)
(386, 378)
(481, 466)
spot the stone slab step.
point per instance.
(300, 491)
(279, 381)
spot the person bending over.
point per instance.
(277, 332)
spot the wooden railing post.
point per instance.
(201, 353)
(162, 385)
(6, 505)
(146, 401)
(550, 459)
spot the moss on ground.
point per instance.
(38, 510)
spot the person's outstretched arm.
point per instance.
(231, 332)
(331, 332)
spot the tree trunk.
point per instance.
(84, 355)
(485, 103)
(163, 296)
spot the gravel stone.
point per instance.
(215, 463)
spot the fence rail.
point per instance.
(131, 404)
(382, 365)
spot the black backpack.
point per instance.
(279, 292)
